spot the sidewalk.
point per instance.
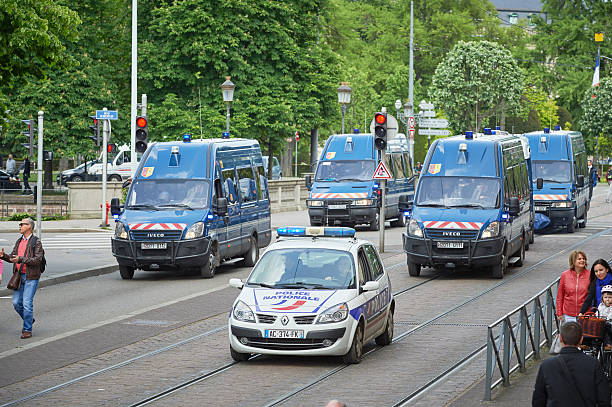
(60, 226)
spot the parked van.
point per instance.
(343, 190)
(119, 167)
(473, 205)
(561, 177)
(193, 204)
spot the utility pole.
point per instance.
(134, 90)
(39, 174)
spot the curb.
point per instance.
(70, 276)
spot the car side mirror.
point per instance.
(221, 206)
(308, 181)
(405, 203)
(371, 286)
(540, 183)
(115, 206)
(236, 283)
(514, 206)
(580, 180)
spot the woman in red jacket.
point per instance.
(573, 287)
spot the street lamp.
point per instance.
(344, 98)
(228, 96)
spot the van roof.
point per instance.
(553, 145)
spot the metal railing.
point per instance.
(519, 337)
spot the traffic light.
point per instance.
(142, 133)
(380, 130)
(111, 148)
(30, 134)
(95, 127)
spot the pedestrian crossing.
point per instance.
(85, 240)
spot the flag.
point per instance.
(596, 73)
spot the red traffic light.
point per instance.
(380, 118)
(141, 122)
(111, 148)
(95, 122)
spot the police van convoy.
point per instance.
(473, 205)
(343, 190)
(192, 205)
(561, 177)
(315, 291)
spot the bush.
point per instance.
(19, 216)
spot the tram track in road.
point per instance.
(175, 345)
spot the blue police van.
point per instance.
(193, 204)
(561, 177)
(343, 191)
(473, 205)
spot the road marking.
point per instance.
(109, 321)
(87, 240)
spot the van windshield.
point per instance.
(361, 170)
(160, 194)
(460, 192)
(552, 171)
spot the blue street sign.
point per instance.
(106, 114)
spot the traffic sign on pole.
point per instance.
(434, 132)
(106, 115)
(381, 172)
(411, 131)
(438, 123)
(411, 122)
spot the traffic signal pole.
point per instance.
(134, 89)
(105, 136)
(39, 173)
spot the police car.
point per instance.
(315, 291)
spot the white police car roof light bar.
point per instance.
(293, 231)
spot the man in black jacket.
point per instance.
(571, 379)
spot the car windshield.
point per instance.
(304, 269)
(169, 193)
(552, 171)
(361, 170)
(466, 192)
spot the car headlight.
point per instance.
(337, 313)
(242, 312)
(363, 202)
(315, 203)
(562, 204)
(120, 231)
(490, 231)
(414, 229)
(196, 230)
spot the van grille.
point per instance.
(152, 235)
(438, 234)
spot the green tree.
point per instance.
(597, 118)
(547, 109)
(476, 81)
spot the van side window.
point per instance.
(263, 183)
(229, 184)
(397, 163)
(407, 165)
(248, 188)
(391, 165)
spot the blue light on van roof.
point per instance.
(225, 134)
(487, 131)
(292, 231)
(547, 130)
(557, 127)
(469, 135)
(497, 128)
(186, 138)
(356, 131)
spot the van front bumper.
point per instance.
(478, 253)
(343, 211)
(178, 253)
(559, 217)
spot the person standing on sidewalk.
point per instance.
(26, 175)
(573, 287)
(27, 255)
(572, 378)
(11, 166)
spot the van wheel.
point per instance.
(571, 228)
(356, 352)
(498, 270)
(387, 336)
(114, 178)
(413, 269)
(521, 254)
(208, 270)
(584, 218)
(239, 357)
(400, 222)
(252, 255)
(375, 224)
(127, 272)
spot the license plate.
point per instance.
(284, 333)
(450, 245)
(336, 206)
(540, 208)
(154, 246)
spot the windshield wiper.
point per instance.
(433, 205)
(262, 285)
(553, 180)
(467, 205)
(353, 179)
(176, 205)
(296, 285)
(143, 206)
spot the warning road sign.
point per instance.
(381, 172)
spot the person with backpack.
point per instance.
(28, 258)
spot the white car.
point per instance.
(315, 291)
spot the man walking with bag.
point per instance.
(27, 256)
(572, 378)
